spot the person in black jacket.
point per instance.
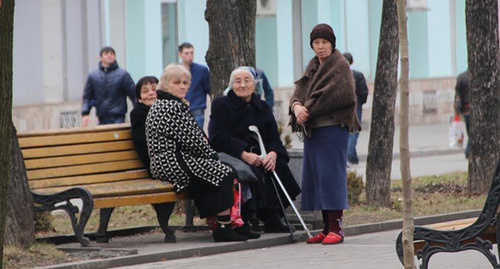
(145, 91)
(228, 132)
(107, 89)
(361, 95)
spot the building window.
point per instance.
(169, 31)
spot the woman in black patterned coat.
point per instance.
(180, 153)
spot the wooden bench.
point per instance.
(469, 234)
(98, 165)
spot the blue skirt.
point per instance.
(324, 175)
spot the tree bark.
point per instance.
(19, 228)
(6, 45)
(482, 49)
(379, 160)
(404, 148)
(232, 39)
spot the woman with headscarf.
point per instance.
(323, 111)
(228, 132)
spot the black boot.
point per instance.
(252, 221)
(224, 233)
(246, 231)
(275, 223)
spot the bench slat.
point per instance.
(452, 225)
(139, 199)
(120, 188)
(76, 130)
(42, 152)
(86, 169)
(71, 139)
(80, 159)
(89, 179)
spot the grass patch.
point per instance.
(432, 195)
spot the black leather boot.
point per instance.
(224, 233)
(275, 223)
(246, 231)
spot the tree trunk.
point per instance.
(482, 49)
(404, 148)
(6, 44)
(19, 228)
(232, 39)
(379, 161)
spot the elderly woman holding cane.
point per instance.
(323, 110)
(228, 132)
(180, 153)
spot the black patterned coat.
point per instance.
(178, 148)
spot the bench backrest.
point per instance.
(102, 159)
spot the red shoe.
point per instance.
(317, 239)
(332, 238)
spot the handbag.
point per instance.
(456, 132)
(243, 170)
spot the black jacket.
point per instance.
(107, 89)
(229, 121)
(138, 125)
(462, 99)
(361, 88)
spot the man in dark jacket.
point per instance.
(200, 83)
(107, 89)
(462, 102)
(361, 94)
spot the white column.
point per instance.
(52, 66)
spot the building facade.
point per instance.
(57, 43)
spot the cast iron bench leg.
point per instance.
(163, 212)
(104, 216)
(48, 203)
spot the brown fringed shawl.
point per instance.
(327, 91)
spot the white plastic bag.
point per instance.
(456, 132)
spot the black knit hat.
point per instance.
(322, 30)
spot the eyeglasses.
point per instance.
(243, 81)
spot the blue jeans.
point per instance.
(199, 116)
(352, 155)
(111, 120)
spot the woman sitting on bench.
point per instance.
(145, 93)
(228, 130)
(180, 153)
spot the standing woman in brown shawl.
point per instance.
(323, 109)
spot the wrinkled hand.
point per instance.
(301, 113)
(269, 162)
(251, 158)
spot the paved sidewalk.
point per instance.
(367, 251)
(366, 246)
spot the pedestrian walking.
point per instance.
(361, 96)
(107, 89)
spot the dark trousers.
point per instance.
(352, 155)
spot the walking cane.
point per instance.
(263, 153)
